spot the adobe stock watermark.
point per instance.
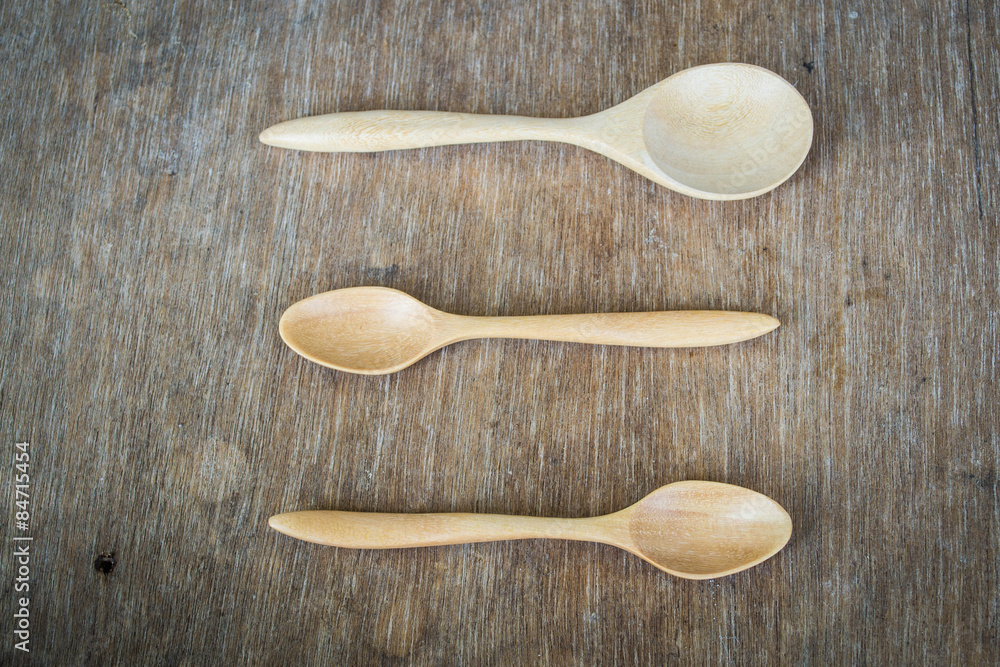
(759, 154)
(22, 546)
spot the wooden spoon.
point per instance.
(723, 131)
(376, 330)
(695, 530)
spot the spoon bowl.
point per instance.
(705, 529)
(691, 529)
(377, 330)
(722, 131)
(361, 329)
(727, 131)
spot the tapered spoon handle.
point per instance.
(366, 530)
(676, 328)
(368, 131)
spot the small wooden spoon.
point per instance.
(695, 530)
(723, 131)
(377, 330)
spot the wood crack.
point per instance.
(975, 110)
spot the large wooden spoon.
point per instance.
(377, 330)
(723, 131)
(695, 530)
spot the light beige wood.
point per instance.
(377, 330)
(722, 131)
(692, 529)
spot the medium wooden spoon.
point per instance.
(695, 530)
(723, 131)
(376, 330)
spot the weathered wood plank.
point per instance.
(151, 245)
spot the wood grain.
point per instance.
(151, 244)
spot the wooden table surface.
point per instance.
(151, 243)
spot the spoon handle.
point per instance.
(673, 328)
(368, 131)
(366, 530)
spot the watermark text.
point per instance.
(22, 546)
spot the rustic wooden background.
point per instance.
(150, 244)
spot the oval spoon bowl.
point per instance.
(702, 530)
(365, 330)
